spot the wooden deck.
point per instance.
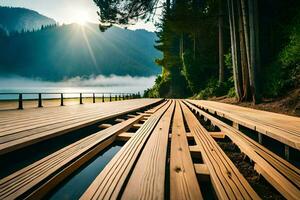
(283, 128)
(168, 152)
(22, 128)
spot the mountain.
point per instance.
(19, 19)
(60, 52)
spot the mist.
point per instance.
(93, 83)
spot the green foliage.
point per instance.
(283, 74)
(290, 56)
(197, 70)
(160, 89)
(213, 88)
(231, 92)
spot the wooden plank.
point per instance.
(110, 181)
(284, 128)
(104, 126)
(59, 164)
(201, 169)
(48, 118)
(195, 149)
(278, 172)
(218, 135)
(147, 180)
(226, 179)
(124, 136)
(32, 134)
(136, 126)
(183, 180)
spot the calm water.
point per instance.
(73, 90)
(75, 186)
(99, 84)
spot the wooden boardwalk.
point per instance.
(169, 153)
(283, 128)
(23, 128)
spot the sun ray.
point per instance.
(89, 47)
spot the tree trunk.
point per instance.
(254, 48)
(181, 46)
(194, 46)
(246, 29)
(221, 43)
(234, 49)
(244, 61)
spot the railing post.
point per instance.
(94, 98)
(109, 97)
(103, 98)
(40, 101)
(116, 97)
(80, 98)
(20, 101)
(123, 96)
(61, 99)
(119, 97)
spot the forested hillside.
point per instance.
(247, 49)
(58, 52)
(22, 19)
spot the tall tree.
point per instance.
(235, 48)
(243, 54)
(254, 49)
(221, 42)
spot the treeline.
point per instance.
(247, 49)
(6, 33)
(62, 52)
(244, 48)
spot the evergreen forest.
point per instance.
(247, 49)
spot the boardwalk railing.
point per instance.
(102, 95)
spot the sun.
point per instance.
(81, 17)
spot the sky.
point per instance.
(68, 11)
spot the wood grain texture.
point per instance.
(283, 128)
(281, 174)
(110, 181)
(147, 180)
(183, 180)
(22, 128)
(64, 161)
(227, 181)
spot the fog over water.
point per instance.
(100, 83)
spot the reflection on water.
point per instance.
(76, 185)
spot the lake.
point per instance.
(94, 84)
